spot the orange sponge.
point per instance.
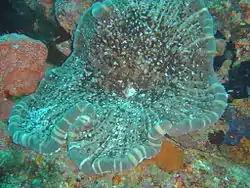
(169, 158)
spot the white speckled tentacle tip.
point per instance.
(159, 130)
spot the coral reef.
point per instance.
(232, 19)
(237, 129)
(242, 107)
(200, 169)
(230, 14)
(241, 153)
(102, 105)
(243, 50)
(112, 107)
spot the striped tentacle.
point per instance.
(60, 131)
(19, 136)
(210, 116)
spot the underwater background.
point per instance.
(129, 93)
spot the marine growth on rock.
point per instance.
(140, 69)
(22, 65)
